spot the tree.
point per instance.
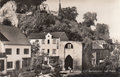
(89, 18)
(87, 53)
(115, 55)
(88, 36)
(35, 47)
(44, 18)
(28, 4)
(106, 65)
(36, 22)
(24, 5)
(102, 31)
(69, 13)
(85, 26)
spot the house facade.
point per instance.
(99, 51)
(17, 56)
(17, 48)
(3, 57)
(3, 60)
(48, 44)
(56, 44)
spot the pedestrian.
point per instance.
(69, 69)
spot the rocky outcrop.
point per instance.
(8, 12)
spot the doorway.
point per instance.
(17, 65)
(68, 62)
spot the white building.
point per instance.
(70, 53)
(17, 47)
(49, 42)
(3, 57)
(57, 44)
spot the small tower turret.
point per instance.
(59, 7)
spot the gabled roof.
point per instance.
(37, 36)
(14, 35)
(2, 37)
(61, 35)
(98, 44)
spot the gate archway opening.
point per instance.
(68, 62)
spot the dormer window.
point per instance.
(48, 36)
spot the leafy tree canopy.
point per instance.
(69, 13)
(102, 31)
(36, 22)
(89, 18)
(24, 5)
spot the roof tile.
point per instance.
(61, 35)
(14, 35)
(98, 44)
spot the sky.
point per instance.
(108, 12)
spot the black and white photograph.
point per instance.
(59, 38)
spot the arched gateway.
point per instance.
(68, 62)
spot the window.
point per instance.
(43, 50)
(18, 51)
(8, 51)
(9, 64)
(48, 41)
(43, 41)
(54, 41)
(48, 51)
(26, 62)
(54, 51)
(57, 44)
(1, 65)
(69, 46)
(26, 51)
(36, 40)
